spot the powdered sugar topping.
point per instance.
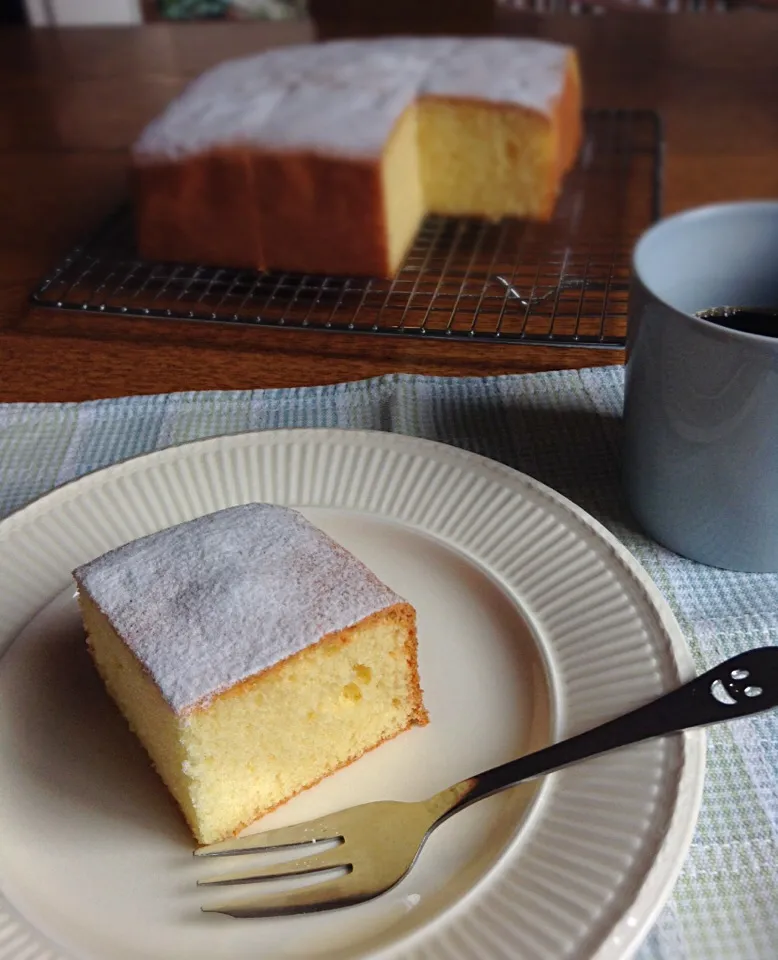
(211, 602)
(344, 97)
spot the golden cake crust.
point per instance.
(199, 211)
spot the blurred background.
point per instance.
(84, 12)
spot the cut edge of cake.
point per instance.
(325, 706)
(148, 708)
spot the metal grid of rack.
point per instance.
(562, 283)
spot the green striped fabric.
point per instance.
(564, 429)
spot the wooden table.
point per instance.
(71, 102)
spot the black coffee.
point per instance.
(761, 320)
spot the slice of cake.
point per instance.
(252, 656)
(324, 158)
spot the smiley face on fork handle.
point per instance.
(381, 840)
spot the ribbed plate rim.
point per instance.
(656, 883)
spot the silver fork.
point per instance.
(379, 842)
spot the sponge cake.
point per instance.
(252, 656)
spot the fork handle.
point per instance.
(744, 685)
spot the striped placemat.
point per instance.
(564, 429)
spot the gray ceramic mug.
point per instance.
(701, 401)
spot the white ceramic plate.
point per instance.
(534, 623)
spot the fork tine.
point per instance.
(293, 868)
(310, 831)
(318, 896)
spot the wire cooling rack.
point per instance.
(562, 283)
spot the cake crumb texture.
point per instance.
(236, 739)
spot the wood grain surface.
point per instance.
(72, 101)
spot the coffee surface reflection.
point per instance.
(760, 320)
